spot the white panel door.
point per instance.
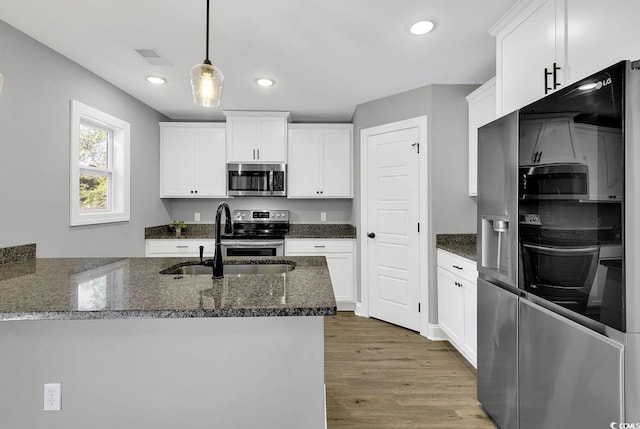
(392, 215)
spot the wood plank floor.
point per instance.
(382, 376)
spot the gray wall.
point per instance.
(301, 211)
(34, 162)
(451, 210)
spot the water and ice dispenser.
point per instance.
(496, 244)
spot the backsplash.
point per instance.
(17, 253)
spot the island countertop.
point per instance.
(133, 288)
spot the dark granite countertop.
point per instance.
(296, 230)
(459, 244)
(133, 288)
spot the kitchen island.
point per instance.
(136, 348)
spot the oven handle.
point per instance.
(562, 249)
(251, 243)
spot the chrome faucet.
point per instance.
(216, 262)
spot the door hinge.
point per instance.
(417, 145)
(418, 307)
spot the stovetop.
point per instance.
(259, 225)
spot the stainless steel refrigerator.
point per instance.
(558, 266)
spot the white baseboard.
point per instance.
(361, 310)
(434, 333)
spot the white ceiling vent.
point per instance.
(153, 57)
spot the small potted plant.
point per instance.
(178, 225)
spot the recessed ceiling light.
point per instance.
(263, 81)
(421, 27)
(156, 80)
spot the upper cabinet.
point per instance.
(530, 54)
(192, 160)
(482, 110)
(544, 45)
(257, 136)
(320, 161)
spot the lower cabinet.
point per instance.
(162, 248)
(340, 260)
(457, 303)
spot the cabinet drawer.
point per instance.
(179, 247)
(458, 265)
(318, 246)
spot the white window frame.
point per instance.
(119, 207)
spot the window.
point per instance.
(99, 167)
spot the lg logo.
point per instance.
(615, 425)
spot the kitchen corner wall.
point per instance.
(34, 159)
(451, 210)
(301, 211)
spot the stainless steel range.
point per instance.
(256, 233)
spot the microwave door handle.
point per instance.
(271, 182)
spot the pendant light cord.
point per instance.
(206, 60)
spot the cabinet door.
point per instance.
(177, 156)
(336, 164)
(594, 155)
(533, 41)
(599, 35)
(529, 134)
(211, 163)
(450, 306)
(470, 298)
(303, 169)
(242, 139)
(482, 110)
(271, 139)
(341, 272)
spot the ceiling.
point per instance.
(326, 56)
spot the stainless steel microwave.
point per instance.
(554, 182)
(257, 180)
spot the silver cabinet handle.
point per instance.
(182, 247)
(254, 154)
(319, 246)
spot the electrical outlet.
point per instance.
(52, 396)
(323, 217)
(197, 216)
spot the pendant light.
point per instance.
(206, 80)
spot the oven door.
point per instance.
(560, 274)
(252, 247)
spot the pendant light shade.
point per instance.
(206, 79)
(206, 83)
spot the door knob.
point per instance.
(371, 235)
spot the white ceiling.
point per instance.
(327, 56)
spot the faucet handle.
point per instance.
(201, 253)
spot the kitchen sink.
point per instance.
(232, 269)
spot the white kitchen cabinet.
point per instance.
(530, 43)
(457, 302)
(482, 110)
(192, 160)
(162, 248)
(340, 255)
(602, 152)
(256, 136)
(599, 35)
(548, 139)
(320, 161)
(580, 37)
